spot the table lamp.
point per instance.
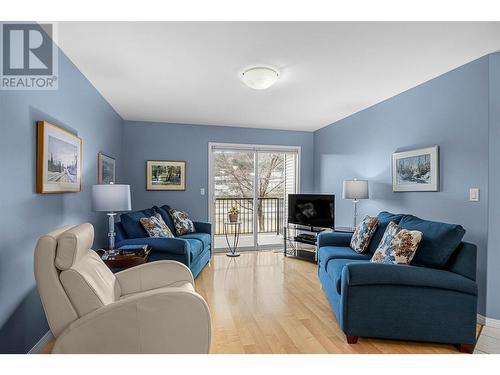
(111, 198)
(355, 190)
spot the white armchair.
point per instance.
(152, 308)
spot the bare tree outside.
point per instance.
(234, 173)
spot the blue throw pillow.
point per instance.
(439, 240)
(384, 218)
(131, 223)
(164, 211)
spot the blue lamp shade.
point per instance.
(111, 198)
(355, 189)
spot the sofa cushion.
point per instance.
(131, 223)
(403, 275)
(155, 226)
(205, 238)
(327, 253)
(182, 222)
(384, 218)
(335, 267)
(439, 240)
(195, 248)
(165, 215)
(363, 234)
(398, 246)
(120, 234)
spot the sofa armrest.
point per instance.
(168, 245)
(358, 274)
(463, 261)
(159, 274)
(169, 320)
(334, 239)
(203, 227)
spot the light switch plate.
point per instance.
(474, 194)
(202, 191)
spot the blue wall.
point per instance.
(159, 141)
(26, 215)
(493, 303)
(451, 111)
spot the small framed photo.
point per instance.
(165, 175)
(105, 169)
(416, 170)
(59, 160)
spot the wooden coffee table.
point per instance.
(126, 261)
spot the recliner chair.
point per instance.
(152, 308)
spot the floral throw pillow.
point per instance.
(182, 223)
(363, 234)
(155, 226)
(398, 246)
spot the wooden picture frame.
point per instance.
(106, 169)
(416, 170)
(166, 175)
(59, 160)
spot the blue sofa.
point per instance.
(193, 249)
(434, 299)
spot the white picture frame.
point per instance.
(416, 170)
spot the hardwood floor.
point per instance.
(263, 302)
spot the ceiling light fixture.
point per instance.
(260, 77)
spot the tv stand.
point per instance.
(300, 242)
(316, 230)
(307, 228)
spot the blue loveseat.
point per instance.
(193, 249)
(434, 299)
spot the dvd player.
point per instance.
(306, 238)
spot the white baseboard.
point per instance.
(489, 322)
(481, 319)
(42, 343)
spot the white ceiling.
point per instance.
(189, 72)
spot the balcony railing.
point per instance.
(270, 213)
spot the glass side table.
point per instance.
(234, 228)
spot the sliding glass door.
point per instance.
(233, 187)
(276, 179)
(254, 180)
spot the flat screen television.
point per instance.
(312, 210)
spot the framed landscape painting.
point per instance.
(165, 175)
(416, 170)
(59, 160)
(105, 169)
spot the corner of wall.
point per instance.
(493, 254)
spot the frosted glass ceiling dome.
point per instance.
(260, 77)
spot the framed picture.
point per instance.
(416, 170)
(59, 160)
(165, 175)
(105, 169)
